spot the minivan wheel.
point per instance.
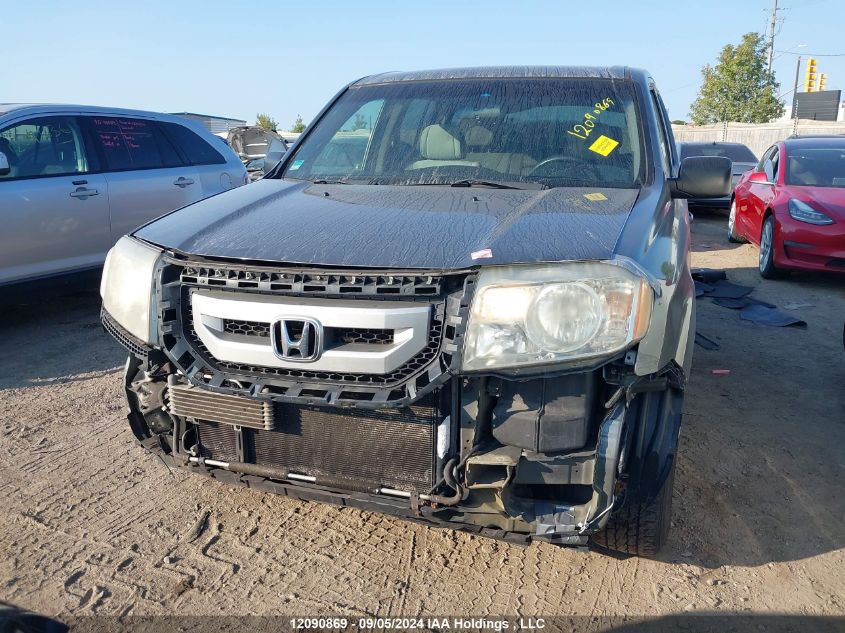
(768, 270)
(733, 236)
(640, 528)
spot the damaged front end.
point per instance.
(403, 409)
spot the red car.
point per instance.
(792, 204)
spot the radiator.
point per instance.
(388, 447)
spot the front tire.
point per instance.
(640, 528)
(768, 270)
(733, 236)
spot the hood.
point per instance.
(831, 200)
(425, 227)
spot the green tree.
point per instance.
(359, 123)
(265, 121)
(298, 125)
(738, 87)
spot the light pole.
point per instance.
(795, 89)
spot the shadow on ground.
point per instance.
(53, 335)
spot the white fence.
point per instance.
(757, 136)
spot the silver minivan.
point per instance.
(74, 179)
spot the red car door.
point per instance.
(758, 197)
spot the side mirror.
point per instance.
(5, 168)
(272, 159)
(759, 177)
(702, 177)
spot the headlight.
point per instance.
(530, 315)
(126, 287)
(803, 212)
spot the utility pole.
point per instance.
(795, 89)
(772, 33)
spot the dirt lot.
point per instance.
(90, 523)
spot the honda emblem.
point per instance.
(297, 339)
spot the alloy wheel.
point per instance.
(766, 239)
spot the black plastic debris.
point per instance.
(764, 315)
(706, 343)
(713, 284)
(708, 275)
(702, 288)
(742, 302)
(726, 290)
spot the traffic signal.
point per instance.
(810, 77)
(822, 77)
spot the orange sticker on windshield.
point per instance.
(603, 145)
(597, 196)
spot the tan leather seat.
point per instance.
(799, 173)
(438, 148)
(478, 138)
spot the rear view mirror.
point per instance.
(759, 176)
(5, 168)
(702, 177)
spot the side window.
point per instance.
(347, 150)
(133, 144)
(194, 148)
(47, 146)
(770, 164)
(662, 137)
(766, 155)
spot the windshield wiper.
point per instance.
(323, 181)
(482, 183)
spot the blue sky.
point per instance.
(236, 59)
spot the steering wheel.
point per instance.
(571, 163)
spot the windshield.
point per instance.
(820, 167)
(737, 153)
(528, 133)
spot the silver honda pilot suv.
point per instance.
(462, 297)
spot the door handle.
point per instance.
(183, 182)
(83, 193)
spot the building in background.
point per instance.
(219, 125)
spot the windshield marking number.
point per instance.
(582, 131)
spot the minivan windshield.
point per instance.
(522, 133)
(738, 153)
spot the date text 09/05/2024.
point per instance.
(422, 623)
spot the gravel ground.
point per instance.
(91, 524)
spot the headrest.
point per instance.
(478, 136)
(437, 144)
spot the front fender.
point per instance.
(660, 243)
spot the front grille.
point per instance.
(387, 447)
(420, 360)
(312, 283)
(449, 296)
(247, 328)
(368, 336)
(343, 335)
